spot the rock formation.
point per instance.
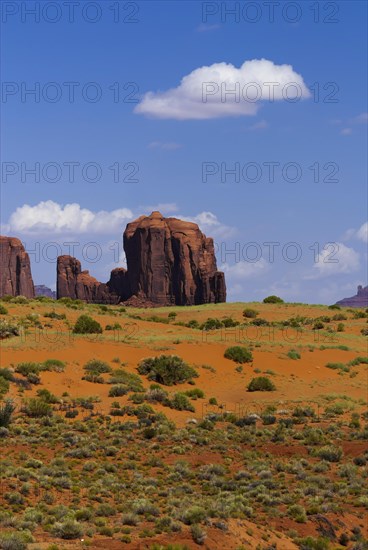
(359, 300)
(15, 269)
(72, 282)
(170, 262)
(43, 290)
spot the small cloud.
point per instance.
(335, 259)
(166, 146)
(222, 90)
(361, 119)
(261, 125)
(346, 132)
(207, 28)
(163, 207)
(211, 225)
(362, 233)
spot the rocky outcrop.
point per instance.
(72, 282)
(15, 269)
(43, 290)
(359, 300)
(170, 262)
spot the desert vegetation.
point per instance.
(177, 436)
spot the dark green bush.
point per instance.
(293, 354)
(211, 324)
(273, 300)
(37, 408)
(95, 366)
(86, 325)
(180, 402)
(3, 310)
(261, 383)
(250, 313)
(167, 369)
(239, 354)
(6, 411)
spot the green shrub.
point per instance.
(118, 390)
(180, 402)
(95, 366)
(193, 515)
(261, 383)
(37, 408)
(53, 365)
(293, 354)
(250, 313)
(196, 393)
(12, 541)
(239, 354)
(47, 396)
(86, 325)
(6, 412)
(211, 324)
(228, 322)
(3, 310)
(115, 326)
(273, 300)
(8, 329)
(29, 368)
(4, 386)
(298, 513)
(167, 370)
(198, 534)
(67, 530)
(131, 381)
(54, 315)
(330, 453)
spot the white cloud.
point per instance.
(50, 217)
(362, 233)
(346, 132)
(163, 207)
(166, 146)
(361, 119)
(261, 125)
(211, 225)
(335, 260)
(202, 93)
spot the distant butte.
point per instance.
(15, 269)
(170, 262)
(359, 300)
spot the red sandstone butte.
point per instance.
(15, 269)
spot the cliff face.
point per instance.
(15, 269)
(169, 262)
(359, 300)
(72, 282)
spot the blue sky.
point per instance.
(167, 148)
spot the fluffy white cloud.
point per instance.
(334, 260)
(211, 225)
(50, 217)
(206, 92)
(362, 232)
